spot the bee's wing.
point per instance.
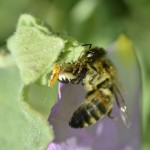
(122, 107)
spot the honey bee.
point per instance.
(99, 77)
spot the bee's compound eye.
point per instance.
(90, 55)
(95, 53)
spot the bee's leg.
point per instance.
(110, 115)
(79, 71)
(78, 68)
(81, 74)
(92, 78)
(93, 68)
(94, 74)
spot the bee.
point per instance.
(99, 77)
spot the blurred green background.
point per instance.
(91, 21)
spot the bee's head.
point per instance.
(95, 53)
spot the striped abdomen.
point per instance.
(90, 112)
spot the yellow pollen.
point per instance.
(55, 74)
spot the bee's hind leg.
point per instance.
(111, 116)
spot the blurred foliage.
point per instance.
(90, 21)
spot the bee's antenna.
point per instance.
(90, 45)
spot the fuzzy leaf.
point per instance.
(36, 112)
(6, 60)
(30, 131)
(34, 48)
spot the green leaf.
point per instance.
(24, 123)
(40, 98)
(34, 48)
(6, 60)
(29, 131)
(37, 112)
(73, 49)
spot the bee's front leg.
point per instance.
(79, 71)
(78, 67)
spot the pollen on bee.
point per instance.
(55, 75)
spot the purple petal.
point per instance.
(55, 107)
(54, 146)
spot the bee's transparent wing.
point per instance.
(122, 107)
